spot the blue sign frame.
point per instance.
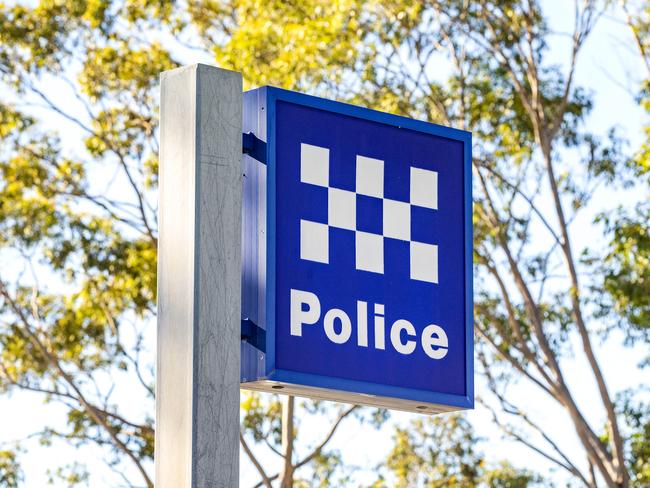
(267, 376)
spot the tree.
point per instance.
(10, 473)
(442, 452)
(275, 422)
(79, 234)
(78, 219)
(627, 277)
(627, 280)
(536, 167)
(78, 282)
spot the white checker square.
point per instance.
(314, 165)
(369, 252)
(342, 208)
(424, 188)
(397, 220)
(424, 262)
(314, 241)
(370, 177)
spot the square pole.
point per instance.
(199, 279)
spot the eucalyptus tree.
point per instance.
(78, 230)
(537, 167)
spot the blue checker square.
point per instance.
(396, 253)
(340, 240)
(369, 214)
(314, 202)
(358, 255)
(425, 225)
(399, 178)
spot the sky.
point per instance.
(608, 67)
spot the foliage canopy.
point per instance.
(78, 230)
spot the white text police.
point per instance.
(306, 312)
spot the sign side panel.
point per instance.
(469, 269)
(253, 236)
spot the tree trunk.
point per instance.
(287, 441)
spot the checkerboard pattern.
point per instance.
(342, 213)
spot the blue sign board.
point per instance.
(357, 250)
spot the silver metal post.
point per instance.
(199, 279)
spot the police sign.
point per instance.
(357, 255)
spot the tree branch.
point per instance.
(80, 397)
(328, 437)
(265, 479)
